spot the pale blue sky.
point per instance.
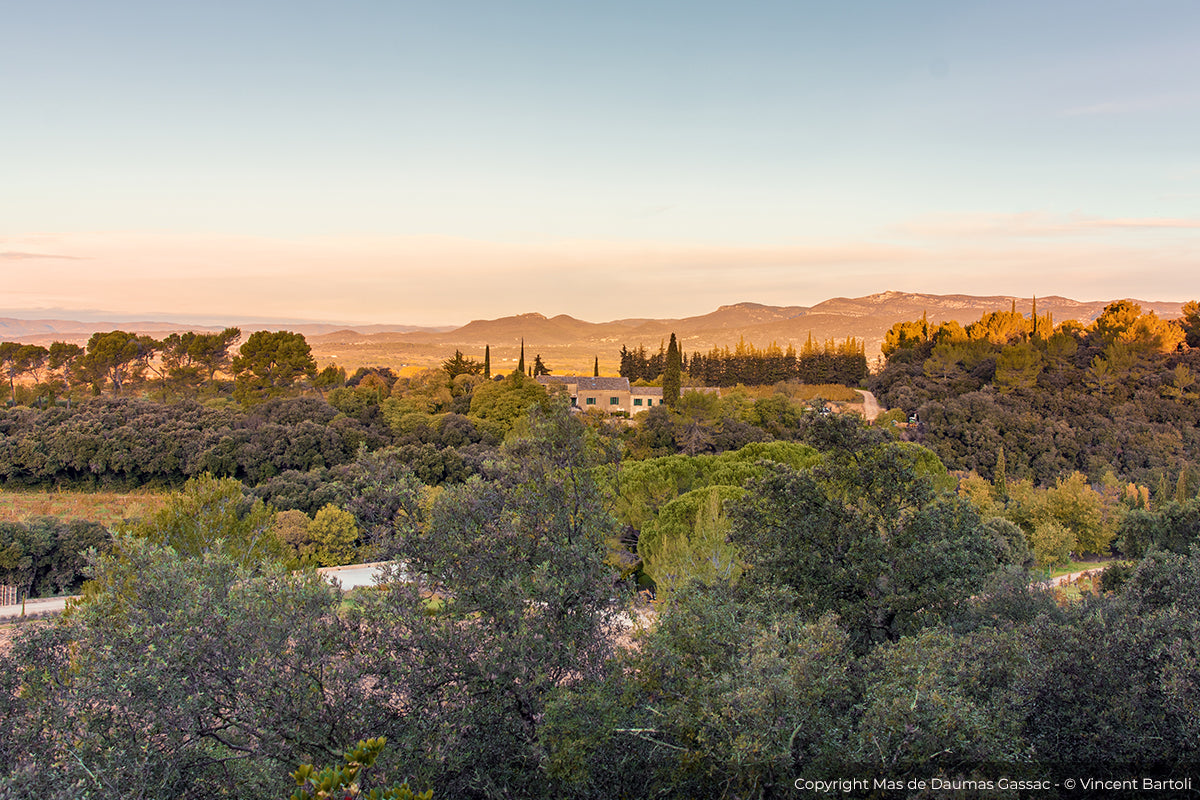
(441, 161)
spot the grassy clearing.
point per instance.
(1079, 566)
(107, 508)
(833, 392)
(1089, 584)
(800, 392)
(1071, 593)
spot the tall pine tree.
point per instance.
(672, 374)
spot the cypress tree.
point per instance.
(999, 478)
(672, 374)
(487, 362)
(521, 363)
(596, 368)
(1181, 487)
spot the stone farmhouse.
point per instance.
(613, 395)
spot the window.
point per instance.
(612, 401)
(637, 401)
(591, 401)
(649, 401)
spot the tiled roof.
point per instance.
(588, 383)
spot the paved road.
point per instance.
(350, 577)
(48, 605)
(354, 575)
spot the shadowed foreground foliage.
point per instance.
(882, 626)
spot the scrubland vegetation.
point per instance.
(832, 599)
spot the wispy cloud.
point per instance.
(1102, 109)
(1133, 105)
(16, 255)
(1143, 222)
(1030, 224)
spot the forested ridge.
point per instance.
(1119, 396)
(832, 600)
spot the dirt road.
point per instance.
(1066, 580)
(871, 408)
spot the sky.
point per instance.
(436, 162)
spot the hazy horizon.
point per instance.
(95, 316)
(433, 164)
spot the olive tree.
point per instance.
(509, 600)
(178, 677)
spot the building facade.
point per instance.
(611, 395)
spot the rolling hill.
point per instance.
(569, 345)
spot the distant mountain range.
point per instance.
(573, 342)
(44, 331)
(865, 318)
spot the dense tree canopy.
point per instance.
(212, 515)
(191, 359)
(867, 535)
(1113, 397)
(269, 363)
(831, 599)
(461, 365)
(177, 678)
(46, 556)
(18, 359)
(831, 362)
(115, 358)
